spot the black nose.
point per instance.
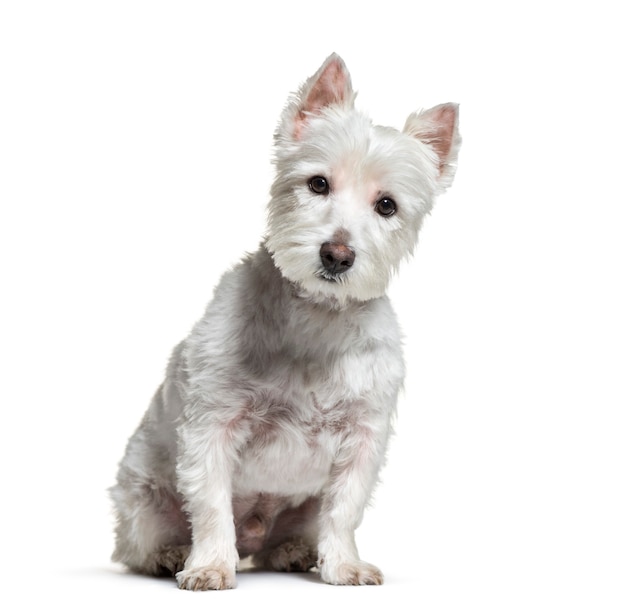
(336, 257)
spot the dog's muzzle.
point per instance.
(336, 257)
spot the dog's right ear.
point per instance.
(330, 85)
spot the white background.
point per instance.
(135, 143)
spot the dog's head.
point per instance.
(349, 196)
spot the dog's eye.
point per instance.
(385, 207)
(319, 185)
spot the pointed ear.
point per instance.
(330, 85)
(439, 128)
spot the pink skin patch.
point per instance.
(331, 87)
(437, 128)
(445, 118)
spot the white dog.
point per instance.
(267, 436)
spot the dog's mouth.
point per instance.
(333, 278)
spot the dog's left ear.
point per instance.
(439, 128)
(330, 85)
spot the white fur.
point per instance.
(269, 431)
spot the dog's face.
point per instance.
(349, 197)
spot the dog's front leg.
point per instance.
(207, 460)
(353, 478)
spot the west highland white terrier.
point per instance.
(268, 433)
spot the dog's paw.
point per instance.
(170, 561)
(354, 573)
(209, 578)
(291, 556)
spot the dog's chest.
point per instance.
(292, 443)
(311, 375)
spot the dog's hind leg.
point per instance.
(152, 532)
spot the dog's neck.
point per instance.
(322, 301)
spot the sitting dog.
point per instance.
(268, 433)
